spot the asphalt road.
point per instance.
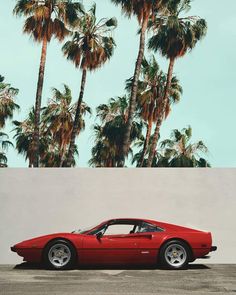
(198, 279)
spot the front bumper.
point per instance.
(213, 248)
(13, 249)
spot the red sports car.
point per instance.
(122, 241)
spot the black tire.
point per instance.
(180, 255)
(59, 255)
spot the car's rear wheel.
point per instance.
(59, 254)
(174, 255)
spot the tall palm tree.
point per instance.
(7, 103)
(58, 117)
(24, 132)
(45, 19)
(4, 145)
(150, 92)
(137, 158)
(104, 152)
(179, 151)
(52, 157)
(49, 155)
(173, 37)
(109, 134)
(92, 45)
(143, 10)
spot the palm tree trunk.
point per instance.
(30, 164)
(162, 113)
(132, 103)
(30, 158)
(71, 151)
(62, 154)
(145, 146)
(38, 104)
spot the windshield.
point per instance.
(84, 230)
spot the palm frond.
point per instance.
(92, 44)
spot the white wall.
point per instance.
(40, 201)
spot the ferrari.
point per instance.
(124, 241)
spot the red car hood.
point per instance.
(41, 241)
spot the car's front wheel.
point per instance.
(59, 254)
(174, 255)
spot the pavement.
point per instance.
(197, 279)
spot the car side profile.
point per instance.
(123, 241)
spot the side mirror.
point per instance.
(99, 235)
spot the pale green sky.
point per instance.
(207, 75)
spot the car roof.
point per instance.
(163, 225)
(131, 220)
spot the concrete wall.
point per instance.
(36, 202)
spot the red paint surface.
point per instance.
(137, 248)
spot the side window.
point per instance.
(119, 229)
(147, 227)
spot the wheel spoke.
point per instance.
(169, 254)
(61, 261)
(56, 260)
(64, 258)
(176, 260)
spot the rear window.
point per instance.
(147, 227)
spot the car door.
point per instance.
(110, 249)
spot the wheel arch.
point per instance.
(164, 242)
(57, 239)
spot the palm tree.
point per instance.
(143, 10)
(150, 92)
(92, 45)
(178, 151)
(4, 145)
(7, 103)
(109, 134)
(52, 157)
(48, 149)
(45, 19)
(173, 37)
(58, 117)
(24, 132)
(103, 153)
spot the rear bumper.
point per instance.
(213, 248)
